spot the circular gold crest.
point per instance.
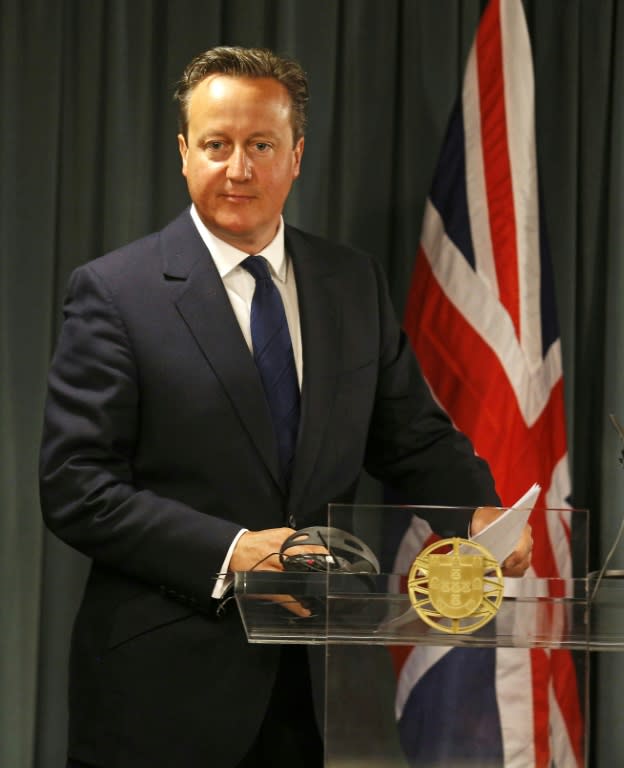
(455, 585)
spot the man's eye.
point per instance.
(215, 146)
(262, 146)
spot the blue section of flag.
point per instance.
(448, 191)
(451, 715)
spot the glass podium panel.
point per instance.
(401, 691)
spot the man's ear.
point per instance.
(298, 154)
(183, 148)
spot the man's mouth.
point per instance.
(234, 197)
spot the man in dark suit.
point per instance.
(160, 458)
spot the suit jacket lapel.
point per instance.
(205, 307)
(320, 316)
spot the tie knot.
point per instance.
(257, 266)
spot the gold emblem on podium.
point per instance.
(455, 585)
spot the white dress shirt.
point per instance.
(240, 285)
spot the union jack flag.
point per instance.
(481, 318)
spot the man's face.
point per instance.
(240, 161)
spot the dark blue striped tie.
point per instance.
(273, 355)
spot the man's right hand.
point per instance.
(259, 551)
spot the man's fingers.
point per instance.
(515, 566)
(290, 604)
(520, 559)
(259, 550)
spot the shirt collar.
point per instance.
(227, 258)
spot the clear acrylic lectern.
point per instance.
(398, 687)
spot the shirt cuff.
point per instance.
(225, 579)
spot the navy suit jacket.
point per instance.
(158, 447)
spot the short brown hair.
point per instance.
(245, 62)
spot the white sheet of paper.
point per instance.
(501, 536)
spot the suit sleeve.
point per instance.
(87, 488)
(413, 446)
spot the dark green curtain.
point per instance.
(88, 161)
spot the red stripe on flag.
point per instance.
(496, 161)
(555, 668)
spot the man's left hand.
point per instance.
(517, 563)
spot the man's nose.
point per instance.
(239, 167)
